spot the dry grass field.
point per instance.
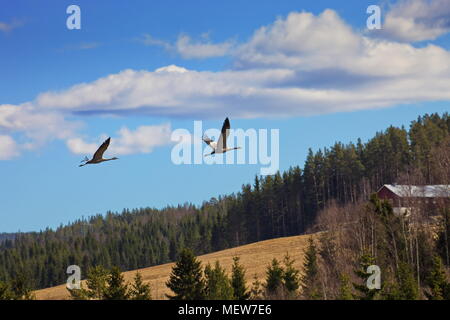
(254, 257)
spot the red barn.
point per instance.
(405, 197)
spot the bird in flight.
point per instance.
(98, 155)
(221, 145)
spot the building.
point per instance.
(405, 197)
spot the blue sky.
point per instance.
(308, 68)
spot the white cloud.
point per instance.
(299, 65)
(149, 40)
(190, 49)
(417, 20)
(142, 140)
(36, 123)
(201, 49)
(314, 44)
(37, 126)
(79, 146)
(8, 148)
(171, 68)
(301, 39)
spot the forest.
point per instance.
(333, 191)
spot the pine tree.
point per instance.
(345, 290)
(5, 291)
(96, 281)
(365, 293)
(186, 278)
(218, 285)
(274, 279)
(406, 285)
(309, 281)
(116, 288)
(291, 277)
(20, 287)
(444, 236)
(256, 291)
(240, 290)
(78, 294)
(437, 280)
(139, 290)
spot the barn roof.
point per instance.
(430, 191)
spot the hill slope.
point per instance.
(254, 257)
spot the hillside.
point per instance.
(254, 257)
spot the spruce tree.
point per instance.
(365, 293)
(78, 294)
(291, 275)
(405, 287)
(20, 287)
(116, 289)
(437, 281)
(256, 291)
(345, 290)
(218, 285)
(274, 278)
(139, 290)
(186, 279)
(443, 242)
(96, 281)
(309, 281)
(240, 290)
(5, 291)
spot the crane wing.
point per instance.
(100, 151)
(222, 143)
(209, 141)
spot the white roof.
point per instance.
(432, 191)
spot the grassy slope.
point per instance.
(254, 257)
